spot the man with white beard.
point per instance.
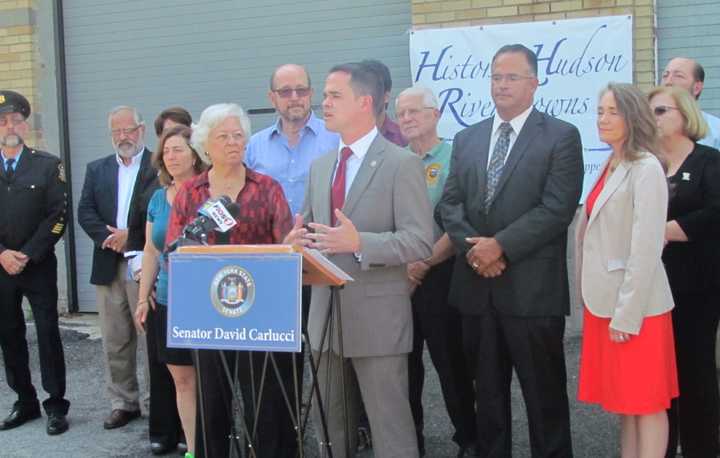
(112, 192)
(32, 220)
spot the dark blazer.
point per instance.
(138, 218)
(694, 266)
(98, 208)
(33, 204)
(534, 203)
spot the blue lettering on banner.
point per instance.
(443, 69)
(465, 108)
(551, 63)
(581, 65)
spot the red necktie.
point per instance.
(337, 192)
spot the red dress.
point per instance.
(637, 377)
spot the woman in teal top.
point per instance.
(176, 162)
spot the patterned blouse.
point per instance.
(264, 215)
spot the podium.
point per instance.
(247, 298)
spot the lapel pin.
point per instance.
(373, 163)
(686, 176)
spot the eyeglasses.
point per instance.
(412, 112)
(510, 77)
(287, 92)
(662, 109)
(126, 131)
(237, 137)
(14, 120)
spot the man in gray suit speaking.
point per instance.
(368, 208)
(513, 188)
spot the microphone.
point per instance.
(216, 214)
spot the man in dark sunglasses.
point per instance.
(690, 75)
(286, 149)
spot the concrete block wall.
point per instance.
(18, 60)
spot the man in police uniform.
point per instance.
(32, 220)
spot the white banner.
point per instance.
(576, 59)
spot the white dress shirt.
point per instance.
(127, 175)
(359, 149)
(712, 139)
(516, 123)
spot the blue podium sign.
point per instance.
(237, 301)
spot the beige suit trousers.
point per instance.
(116, 305)
(382, 381)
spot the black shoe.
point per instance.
(364, 440)
(119, 417)
(19, 415)
(56, 424)
(161, 448)
(467, 450)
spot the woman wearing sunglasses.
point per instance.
(627, 363)
(692, 261)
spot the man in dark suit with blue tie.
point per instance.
(112, 192)
(513, 188)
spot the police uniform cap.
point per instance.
(12, 102)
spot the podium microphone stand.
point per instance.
(319, 271)
(316, 270)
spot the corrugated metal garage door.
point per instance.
(691, 28)
(184, 52)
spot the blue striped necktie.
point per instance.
(497, 162)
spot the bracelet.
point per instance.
(426, 261)
(144, 301)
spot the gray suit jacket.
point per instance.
(533, 205)
(389, 206)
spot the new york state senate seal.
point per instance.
(232, 291)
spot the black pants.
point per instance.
(694, 415)
(38, 282)
(164, 422)
(439, 325)
(533, 346)
(275, 436)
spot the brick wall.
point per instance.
(18, 56)
(459, 13)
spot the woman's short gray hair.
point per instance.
(211, 117)
(428, 97)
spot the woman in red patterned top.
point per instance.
(264, 218)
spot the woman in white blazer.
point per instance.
(627, 362)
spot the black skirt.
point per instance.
(157, 332)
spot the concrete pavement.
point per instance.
(595, 433)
